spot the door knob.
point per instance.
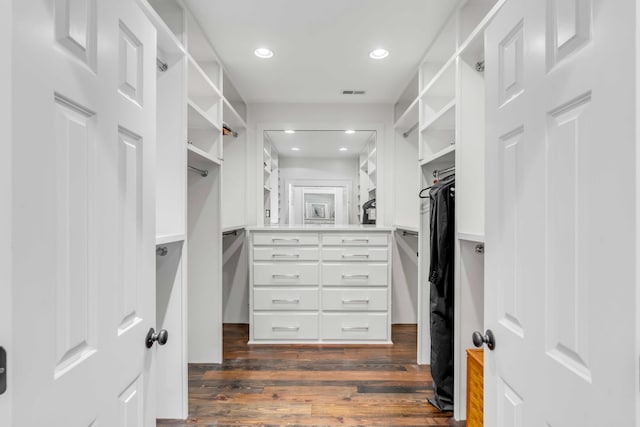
(162, 337)
(488, 338)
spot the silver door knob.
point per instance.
(488, 338)
(161, 337)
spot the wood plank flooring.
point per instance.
(311, 385)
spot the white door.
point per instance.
(83, 212)
(5, 212)
(561, 231)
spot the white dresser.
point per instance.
(320, 285)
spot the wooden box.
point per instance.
(475, 387)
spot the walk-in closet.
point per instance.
(306, 212)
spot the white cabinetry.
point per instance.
(320, 286)
(199, 113)
(443, 127)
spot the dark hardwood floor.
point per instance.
(311, 385)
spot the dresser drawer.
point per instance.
(359, 239)
(285, 253)
(354, 254)
(273, 239)
(269, 326)
(284, 273)
(286, 299)
(354, 299)
(350, 327)
(355, 274)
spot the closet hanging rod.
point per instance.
(226, 130)
(230, 233)
(411, 129)
(202, 172)
(409, 233)
(447, 170)
(162, 66)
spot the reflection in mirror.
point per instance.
(318, 177)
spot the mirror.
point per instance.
(319, 176)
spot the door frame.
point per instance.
(6, 195)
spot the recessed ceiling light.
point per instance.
(343, 148)
(263, 52)
(378, 53)
(350, 132)
(289, 131)
(295, 149)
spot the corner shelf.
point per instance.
(197, 118)
(445, 155)
(164, 239)
(445, 119)
(197, 156)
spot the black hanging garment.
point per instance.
(442, 201)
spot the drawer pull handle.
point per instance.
(355, 255)
(355, 329)
(355, 276)
(285, 328)
(355, 301)
(285, 276)
(355, 240)
(285, 256)
(285, 301)
(284, 240)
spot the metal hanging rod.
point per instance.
(411, 129)
(226, 130)
(409, 233)
(440, 171)
(230, 233)
(162, 66)
(202, 172)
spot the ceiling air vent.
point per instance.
(354, 92)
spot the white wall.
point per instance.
(325, 170)
(235, 278)
(234, 180)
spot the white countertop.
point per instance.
(322, 227)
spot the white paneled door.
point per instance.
(83, 213)
(560, 231)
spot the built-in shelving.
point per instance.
(196, 156)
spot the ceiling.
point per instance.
(319, 143)
(321, 46)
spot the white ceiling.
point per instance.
(321, 46)
(319, 143)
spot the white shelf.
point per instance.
(471, 237)
(443, 155)
(408, 228)
(267, 188)
(409, 118)
(167, 40)
(445, 119)
(373, 153)
(231, 117)
(372, 189)
(196, 156)
(164, 239)
(197, 118)
(200, 87)
(432, 85)
(233, 228)
(372, 171)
